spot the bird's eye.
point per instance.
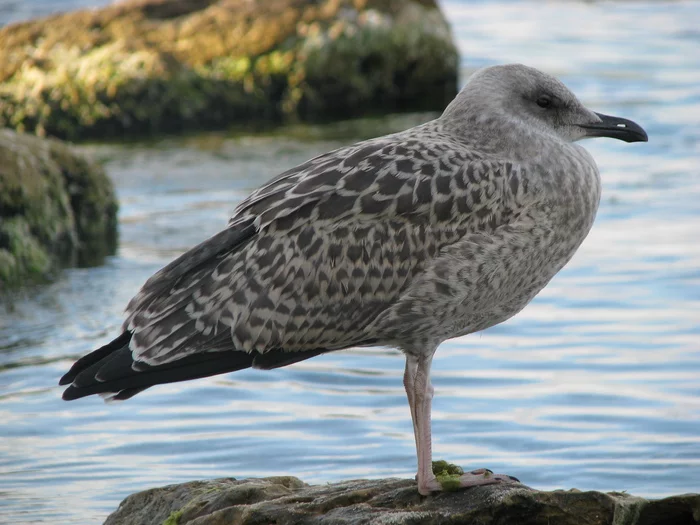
(544, 102)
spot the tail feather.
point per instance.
(112, 372)
(95, 357)
(111, 369)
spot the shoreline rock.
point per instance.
(288, 500)
(57, 209)
(152, 66)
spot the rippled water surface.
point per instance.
(595, 385)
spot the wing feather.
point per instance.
(313, 257)
(177, 275)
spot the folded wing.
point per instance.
(304, 267)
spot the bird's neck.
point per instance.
(493, 132)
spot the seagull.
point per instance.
(403, 241)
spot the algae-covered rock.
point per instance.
(165, 65)
(56, 209)
(287, 500)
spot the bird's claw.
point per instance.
(451, 482)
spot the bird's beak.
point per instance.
(616, 128)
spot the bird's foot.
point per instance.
(449, 478)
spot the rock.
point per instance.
(56, 209)
(287, 500)
(166, 65)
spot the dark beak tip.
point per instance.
(640, 136)
(617, 128)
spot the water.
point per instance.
(595, 385)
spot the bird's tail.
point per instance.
(112, 372)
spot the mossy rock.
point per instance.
(287, 500)
(168, 65)
(56, 209)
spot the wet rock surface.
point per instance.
(287, 500)
(150, 66)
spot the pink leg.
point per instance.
(419, 391)
(408, 380)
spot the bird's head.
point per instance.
(525, 98)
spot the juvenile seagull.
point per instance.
(405, 240)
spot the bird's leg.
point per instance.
(420, 391)
(408, 383)
(420, 394)
(423, 392)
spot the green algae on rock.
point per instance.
(447, 475)
(56, 209)
(151, 66)
(287, 500)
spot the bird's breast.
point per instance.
(495, 271)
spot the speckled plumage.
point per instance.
(403, 240)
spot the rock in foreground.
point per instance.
(56, 209)
(287, 500)
(147, 66)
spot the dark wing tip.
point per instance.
(80, 365)
(92, 359)
(71, 393)
(116, 376)
(127, 393)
